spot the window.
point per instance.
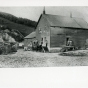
(45, 38)
(67, 39)
(45, 27)
(40, 31)
(42, 39)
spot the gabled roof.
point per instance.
(63, 21)
(31, 35)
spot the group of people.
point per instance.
(70, 43)
(37, 46)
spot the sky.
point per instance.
(33, 13)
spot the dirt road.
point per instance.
(23, 59)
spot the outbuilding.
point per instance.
(29, 38)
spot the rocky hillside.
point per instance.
(19, 25)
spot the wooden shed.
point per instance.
(57, 30)
(29, 38)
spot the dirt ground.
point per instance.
(23, 59)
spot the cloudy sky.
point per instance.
(33, 13)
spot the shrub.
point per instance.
(2, 50)
(14, 48)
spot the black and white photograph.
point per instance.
(43, 36)
(43, 44)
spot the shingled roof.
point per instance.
(63, 21)
(31, 35)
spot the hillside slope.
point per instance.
(24, 26)
(25, 30)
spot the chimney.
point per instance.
(44, 10)
(70, 14)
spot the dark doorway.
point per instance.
(67, 39)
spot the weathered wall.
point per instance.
(57, 40)
(43, 30)
(58, 36)
(79, 38)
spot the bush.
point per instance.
(2, 50)
(14, 49)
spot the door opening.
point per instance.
(67, 39)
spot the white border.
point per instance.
(43, 2)
(47, 77)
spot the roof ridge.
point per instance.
(55, 15)
(63, 16)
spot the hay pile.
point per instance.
(75, 53)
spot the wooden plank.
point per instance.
(57, 40)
